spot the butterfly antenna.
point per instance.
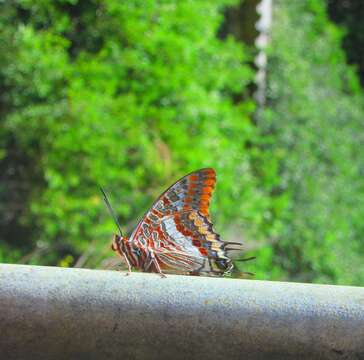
(247, 259)
(107, 202)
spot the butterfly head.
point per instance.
(118, 243)
(129, 250)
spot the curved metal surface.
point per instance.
(56, 313)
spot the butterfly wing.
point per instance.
(192, 192)
(178, 228)
(190, 234)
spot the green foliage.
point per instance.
(315, 119)
(131, 96)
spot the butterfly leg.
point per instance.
(122, 255)
(159, 270)
(129, 265)
(154, 261)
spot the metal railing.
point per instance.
(57, 313)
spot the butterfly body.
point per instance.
(176, 234)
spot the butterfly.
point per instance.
(176, 234)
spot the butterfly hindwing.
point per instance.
(192, 233)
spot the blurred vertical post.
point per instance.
(263, 25)
(250, 23)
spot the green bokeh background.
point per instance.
(133, 95)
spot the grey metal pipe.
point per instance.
(57, 313)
